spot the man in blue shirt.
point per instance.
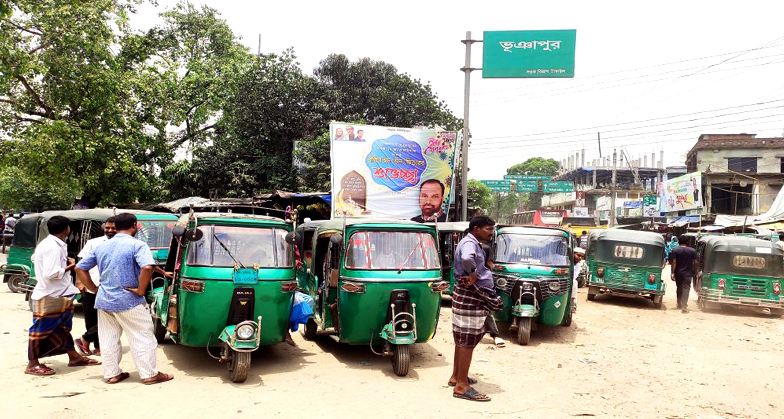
(125, 265)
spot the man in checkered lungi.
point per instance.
(472, 300)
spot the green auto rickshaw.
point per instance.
(533, 275)
(626, 263)
(304, 237)
(155, 229)
(233, 286)
(449, 235)
(31, 229)
(375, 282)
(740, 271)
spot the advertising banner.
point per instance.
(387, 172)
(681, 193)
(580, 212)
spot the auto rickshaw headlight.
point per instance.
(554, 286)
(652, 279)
(600, 272)
(245, 331)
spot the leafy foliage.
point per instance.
(535, 166)
(479, 195)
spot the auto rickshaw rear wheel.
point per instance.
(657, 301)
(401, 359)
(310, 331)
(14, 282)
(567, 321)
(239, 366)
(777, 312)
(524, 330)
(592, 291)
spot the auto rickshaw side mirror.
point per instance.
(193, 234)
(292, 238)
(178, 231)
(336, 238)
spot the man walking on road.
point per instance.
(683, 264)
(53, 298)
(126, 266)
(88, 298)
(472, 301)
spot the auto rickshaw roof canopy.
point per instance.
(718, 255)
(533, 231)
(604, 244)
(31, 228)
(451, 226)
(229, 217)
(370, 223)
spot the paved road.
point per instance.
(621, 358)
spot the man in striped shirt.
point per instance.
(126, 265)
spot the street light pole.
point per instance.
(464, 149)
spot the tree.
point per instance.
(67, 101)
(535, 166)
(19, 192)
(479, 195)
(313, 155)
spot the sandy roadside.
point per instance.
(621, 358)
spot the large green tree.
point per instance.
(68, 72)
(535, 166)
(479, 195)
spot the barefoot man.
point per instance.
(53, 297)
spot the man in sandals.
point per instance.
(470, 300)
(126, 265)
(53, 298)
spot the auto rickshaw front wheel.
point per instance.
(239, 366)
(401, 359)
(14, 282)
(524, 330)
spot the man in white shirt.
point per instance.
(53, 298)
(88, 297)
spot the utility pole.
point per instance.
(466, 133)
(612, 190)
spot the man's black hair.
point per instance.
(433, 181)
(57, 224)
(480, 221)
(110, 220)
(683, 239)
(124, 221)
(585, 232)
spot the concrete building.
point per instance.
(741, 174)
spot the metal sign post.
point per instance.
(466, 133)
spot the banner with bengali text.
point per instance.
(387, 172)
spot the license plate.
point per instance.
(245, 276)
(748, 287)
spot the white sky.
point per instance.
(515, 119)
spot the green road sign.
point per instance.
(500, 183)
(527, 177)
(529, 54)
(558, 186)
(499, 189)
(527, 186)
(649, 200)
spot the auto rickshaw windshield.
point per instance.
(400, 250)
(157, 234)
(532, 249)
(250, 246)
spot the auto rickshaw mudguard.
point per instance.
(397, 338)
(228, 337)
(525, 310)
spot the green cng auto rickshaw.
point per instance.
(740, 271)
(449, 235)
(627, 263)
(304, 239)
(533, 274)
(31, 229)
(233, 286)
(375, 282)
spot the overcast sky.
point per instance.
(648, 75)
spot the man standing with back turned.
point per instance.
(473, 299)
(683, 263)
(126, 266)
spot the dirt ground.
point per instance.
(621, 358)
